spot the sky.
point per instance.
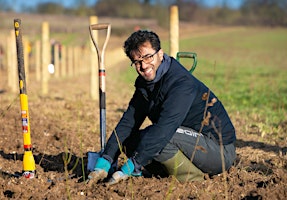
(18, 4)
(230, 3)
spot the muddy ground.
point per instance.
(65, 126)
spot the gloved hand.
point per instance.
(102, 164)
(101, 170)
(127, 170)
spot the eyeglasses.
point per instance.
(146, 59)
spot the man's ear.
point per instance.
(160, 53)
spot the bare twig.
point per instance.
(222, 158)
(2, 114)
(205, 97)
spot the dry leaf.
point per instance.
(213, 101)
(205, 122)
(201, 148)
(204, 96)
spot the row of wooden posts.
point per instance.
(68, 61)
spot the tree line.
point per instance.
(250, 13)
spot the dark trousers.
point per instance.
(207, 153)
(206, 150)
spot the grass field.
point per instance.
(247, 69)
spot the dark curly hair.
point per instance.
(139, 37)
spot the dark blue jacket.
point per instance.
(176, 100)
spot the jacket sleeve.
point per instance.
(130, 121)
(177, 102)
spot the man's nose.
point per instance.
(143, 65)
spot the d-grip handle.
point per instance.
(188, 55)
(100, 26)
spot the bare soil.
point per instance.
(65, 126)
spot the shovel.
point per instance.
(93, 156)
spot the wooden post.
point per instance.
(3, 51)
(75, 58)
(46, 57)
(63, 62)
(2, 80)
(87, 55)
(70, 62)
(56, 60)
(94, 91)
(38, 60)
(9, 61)
(12, 62)
(174, 31)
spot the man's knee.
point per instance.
(166, 153)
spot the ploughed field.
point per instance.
(65, 126)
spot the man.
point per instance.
(188, 126)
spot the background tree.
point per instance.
(251, 12)
(50, 8)
(4, 6)
(264, 12)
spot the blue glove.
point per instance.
(129, 169)
(100, 172)
(102, 164)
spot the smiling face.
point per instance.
(147, 61)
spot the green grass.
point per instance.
(247, 69)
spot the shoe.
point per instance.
(117, 177)
(95, 176)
